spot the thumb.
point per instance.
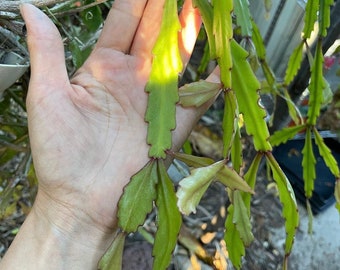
(48, 68)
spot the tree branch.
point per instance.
(13, 6)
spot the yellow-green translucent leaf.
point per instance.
(169, 220)
(223, 32)
(287, 198)
(230, 121)
(294, 63)
(311, 14)
(283, 135)
(308, 164)
(137, 199)
(197, 93)
(243, 18)
(192, 188)
(112, 259)
(162, 84)
(241, 219)
(326, 154)
(324, 16)
(234, 243)
(316, 86)
(246, 86)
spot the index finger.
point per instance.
(121, 25)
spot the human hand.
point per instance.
(88, 134)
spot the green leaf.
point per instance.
(287, 198)
(230, 178)
(246, 85)
(294, 64)
(207, 14)
(337, 194)
(78, 57)
(169, 220)
(283, 135)
(233, 238)
(316, 86)
(137, 199)
(223, 32)
(293, 110)
(243, 18)
(324, 16)
(193, 161)
(234, 243)
(236, 151)
(162, 84)
(241, 219)
(192, 188)
(308, 164)
(230, 121)
(250, 177)
(198, 93)
(269, 75)
(113, 258)
(92, 17)
(311, 15)
(326, 154)
(258, 42)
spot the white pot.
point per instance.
(11, 70)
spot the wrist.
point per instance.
(55, 237)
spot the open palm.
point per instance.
(88, 133)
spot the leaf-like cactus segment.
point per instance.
(230, 121)
(316, 86)
(294, 63)
(287, 198)
(163, 84)
(326, 154)
(169, 220)
(247, 97)
(324, 16)
(311, 16)
(113, 258)
(283, 135)
(223, 32)
(243, 17)
(137, 199)
(308, 164)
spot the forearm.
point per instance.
(61, 243)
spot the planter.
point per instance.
(289, 157)
(11, 69)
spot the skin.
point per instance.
(88, 133)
